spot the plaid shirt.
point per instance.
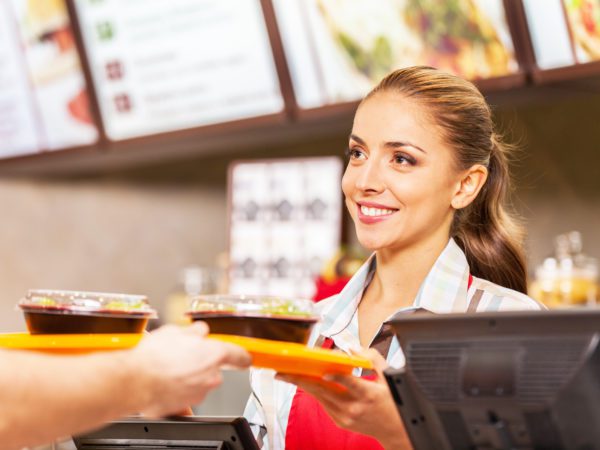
(444, 290)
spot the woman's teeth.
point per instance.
(375, 211)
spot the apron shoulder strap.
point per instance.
(324, 342)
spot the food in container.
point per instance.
(275, 318)
(62, 312)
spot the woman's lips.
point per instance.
(369, 213)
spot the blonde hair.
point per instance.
(486, 231)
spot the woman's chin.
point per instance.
(372, 244)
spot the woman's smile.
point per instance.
(369, 212)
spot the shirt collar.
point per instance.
(443, 290)
(338, 314)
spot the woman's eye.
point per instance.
(401, 158)
(355, 153)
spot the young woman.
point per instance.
(426, 186)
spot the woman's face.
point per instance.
(400, 178)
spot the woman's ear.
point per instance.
(470, 183)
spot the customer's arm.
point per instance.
(43, 397)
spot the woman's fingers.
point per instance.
(329, 395)
(379, 362)
(356, 387)
(307, 381)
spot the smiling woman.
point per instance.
(426, 185)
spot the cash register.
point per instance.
(505, 380)
(181, 433)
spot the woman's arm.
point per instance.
(359, 405)
(45, 397)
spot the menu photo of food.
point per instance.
(357, 42)
(584, 20)
(55, 73)
(467, 37)
(17, 114)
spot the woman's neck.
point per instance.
(400, 273)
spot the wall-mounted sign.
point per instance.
(584, 20)
(43, 97)
(285, 223)
(338, 50)
(161, 66)
(549, 33)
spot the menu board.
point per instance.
(18, 134)
(43, 97)
(549, 33)
(584, 20)
(338, 50)
(285, 223)
(161, 66)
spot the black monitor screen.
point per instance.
(506, 380)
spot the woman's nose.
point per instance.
(369, 178)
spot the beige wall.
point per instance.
(558, 170)
(103, 235)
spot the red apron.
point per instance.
(310, 427)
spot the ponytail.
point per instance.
(487, 233)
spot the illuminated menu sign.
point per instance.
(549, 33)
(285, 224)
(584, 22)
(338, 50)
(17, 120)
(43, 97)
(161, 66)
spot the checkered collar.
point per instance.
(443, 290)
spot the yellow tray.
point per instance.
(284, 357)
(68, 343)
(288, 357)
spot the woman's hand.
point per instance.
(359, 405)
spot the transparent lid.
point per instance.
(251, 305)
(96, 303)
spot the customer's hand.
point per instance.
(357, 404)
(178, 366)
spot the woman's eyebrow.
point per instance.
(357, 139)
(399, 144)
(391, 144)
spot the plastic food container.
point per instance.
(275, 318)
(62, 312)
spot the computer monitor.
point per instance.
(506, 380)
(182, 433)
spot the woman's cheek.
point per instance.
(346, 183)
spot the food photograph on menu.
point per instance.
(55, 73)
(17, 115)
(584, 20)
(359, 41)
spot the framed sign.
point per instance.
(285, 222)
(564, 37)
(337, 50)
(43, 95)
(160, 66)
